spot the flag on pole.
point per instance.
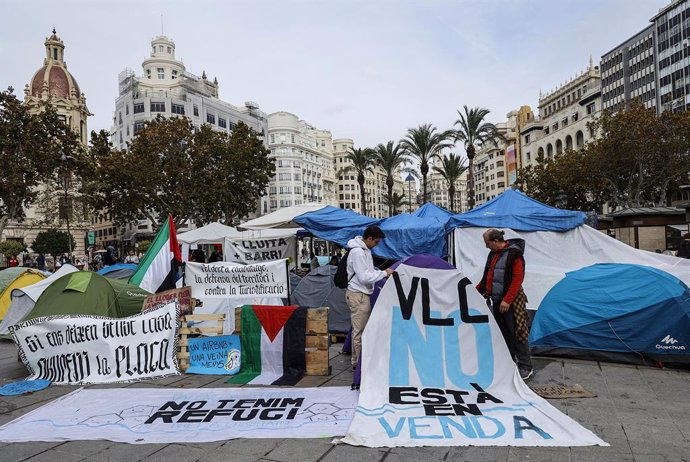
(157, 271)
(272, 340)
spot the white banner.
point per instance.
(234, 281)
(436, 372)
(258, 249)
(94, 349)
(169, 415)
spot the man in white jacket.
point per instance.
(362, 275)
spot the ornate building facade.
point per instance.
(53, 84)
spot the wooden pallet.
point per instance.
(190, 332)
(317, 340)
(338, 338)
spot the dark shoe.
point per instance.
(526, 373)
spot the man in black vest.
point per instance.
(501, 285)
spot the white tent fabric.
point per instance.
(281, 218)
(24, 299)
(549, 255)
(212, 233)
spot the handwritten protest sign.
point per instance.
(182, 297)
(95, 349)
(259, 249)
(230, 280)
(214, 355)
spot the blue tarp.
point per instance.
(406, 234)
(621, 308)
(118, 270)
(432, 210)
(519, 212)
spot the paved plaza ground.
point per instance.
(642, 412)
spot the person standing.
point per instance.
(501, 285)
(684, 247)
(41, 262)
(362, 275)
(12, 262)
(131, 258)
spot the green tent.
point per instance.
(88, 293)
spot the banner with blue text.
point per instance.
(214, 355)
(436, 372)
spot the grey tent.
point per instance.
(317, 289)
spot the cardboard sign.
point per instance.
(214, 355)
(182, 297)
(94, 349)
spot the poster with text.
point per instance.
(256, 249)
(182, 297)
(214, 355)
(234, 281)
(437, 372)
(94, 349)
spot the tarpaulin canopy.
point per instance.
(406, 234)
(519, 212)
(281, 218)
(432, 210)
(212, 233)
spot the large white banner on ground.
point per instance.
(436, 372)
(169, 415)
(253, 249)
(233, 281)
(94, 349)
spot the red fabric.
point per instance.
(174, 246)
(516, 283)
(273, 318)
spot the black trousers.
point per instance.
(519, 351)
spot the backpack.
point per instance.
(340, 278)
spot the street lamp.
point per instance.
(409, 180)
(66, 210)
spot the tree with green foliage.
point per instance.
(143, 246)
(424, 144)
(11, 248)
(637, 160)
(451, 169)
(390, 157)
(53, 242)
(362, 162)
(473, 131)
(31, 146)
(198, 176)
(395, 202)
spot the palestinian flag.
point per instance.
(157, 271)
(272, 339)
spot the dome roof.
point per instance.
(54, 72)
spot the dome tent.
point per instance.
(88, 293)
(118, 270)
(615, 312)
(317, 289)
(15, 278)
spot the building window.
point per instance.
(169, 50)
(233, 125)
(148, 73)
(292, 138)
(138, 126)
(174, 75)
(157, 106)
(196, 110)
(211, 118)
(161, 73)
(590, 108)
(160, 48)
(526, 139)
(222, 123)
(273, 138)
(126, 109)
(138, 108)
(177, 109)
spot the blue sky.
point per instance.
(366, 70)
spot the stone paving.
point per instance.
(643, 413)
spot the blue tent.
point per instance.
(432, 210)
(519, 212)
(406, 234)
(615, 312)
(118, 270)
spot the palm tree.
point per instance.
(452, 167)
(424, 143)
(390, 157)
(362, 162)
(472, 131)
(395, 202)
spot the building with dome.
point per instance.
(53, 83)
